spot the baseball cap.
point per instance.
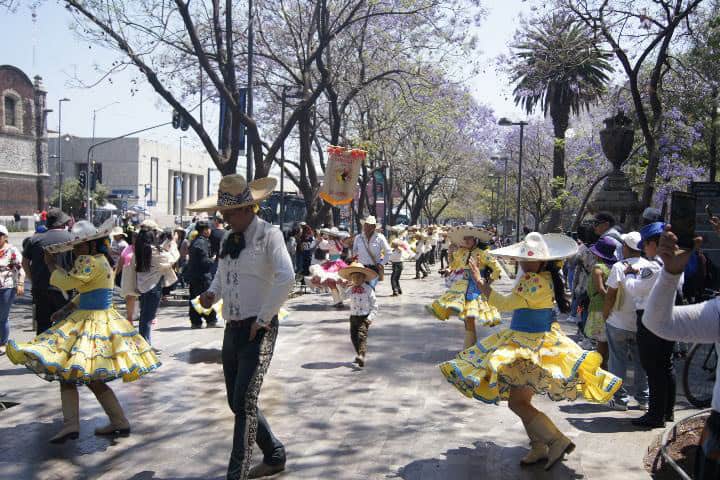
(632, 240)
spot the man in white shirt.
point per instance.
(621, 321)
(254, 277)
(371, 248)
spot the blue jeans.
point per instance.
(149, 303)
(7, 297)
(623, 344)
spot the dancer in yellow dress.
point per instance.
(533, 356)
(463, 298)
(93, 344)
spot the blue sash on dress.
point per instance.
(532, 321)
(100, 299)
(473, 291)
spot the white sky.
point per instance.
(59, 55)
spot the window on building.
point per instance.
(10, 112)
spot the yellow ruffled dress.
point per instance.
(94, 342)
(533, 352)
(455, 300)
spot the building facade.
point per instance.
(23, 143)
(137, 171)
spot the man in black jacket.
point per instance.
(199, 272)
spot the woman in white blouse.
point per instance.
(12, 282)
(154, 267)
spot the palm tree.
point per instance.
(558, 65)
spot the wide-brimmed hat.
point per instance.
(56, 218)
(118, 231)
(83, 231)
(398, 228)
(150, 224)
(235, 192)
(369, 220)
(605, 248)
(356, 267)
(333, 232)
(457, 234)
(539, 247)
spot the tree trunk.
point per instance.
(581, 210)
(560, 114)
(713, 135)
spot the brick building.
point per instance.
(23, 143)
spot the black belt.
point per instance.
(240, 323)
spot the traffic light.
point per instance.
(83, 177)
(179, 121)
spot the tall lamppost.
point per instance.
(249, 98)
(508, 123)
(505, 203)
(182, 183)
(88, 177)
(284, 96)
(59, 151)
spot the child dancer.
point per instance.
(363, 306)
(533, 355)
(396, 259)
(324, 275)
(463, 297)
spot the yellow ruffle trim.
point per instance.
(88, 345)
(549, 362)
(453, 302)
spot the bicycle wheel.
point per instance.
(699, 374)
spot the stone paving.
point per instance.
(395, 419)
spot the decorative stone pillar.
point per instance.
(616, 196)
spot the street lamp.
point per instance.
(492, 199)
(504, 122)
(182, 183)
(249, 98)
(505, 203)
(284, 96)
(88, 177)
(59, 151)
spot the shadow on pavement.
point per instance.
(150, 475)
(177, 328)
(433, 357)
(583, 408)
(200, 355)
(486, 460)
(310, 307)
(329, 365)
(604, 424)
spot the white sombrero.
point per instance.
(458, 234)
(398, 228)
(235, 192)
(83, 231)
(539, 247)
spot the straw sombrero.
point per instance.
(235, 192)
(539, 247)
(398, 228)
(457, 234)
(356, 267)
(83, 231)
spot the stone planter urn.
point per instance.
(616, 196)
